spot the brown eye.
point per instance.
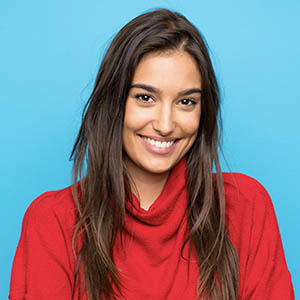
(144, 98)
(187, 102)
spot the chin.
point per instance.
(158, 171)
(158, 168)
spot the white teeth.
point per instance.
(158, 143)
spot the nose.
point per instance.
(164, 122)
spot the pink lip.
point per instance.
(158, 150)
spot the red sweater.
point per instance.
(150, 260)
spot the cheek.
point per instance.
(135, 118)
(190, 123)
(134, 121)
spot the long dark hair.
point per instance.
(104, 183)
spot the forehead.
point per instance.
(176, 69)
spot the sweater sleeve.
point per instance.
(267, 275)
(42, 268)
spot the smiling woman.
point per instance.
(146, 217)
(162, 117)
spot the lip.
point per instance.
(158, 150)
(159, 138)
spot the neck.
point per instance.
(145, 185)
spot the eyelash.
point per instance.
(192, 102)
(139, 97)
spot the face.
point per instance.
(162, 112)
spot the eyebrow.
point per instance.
(155, 90)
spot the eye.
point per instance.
(187, 102)
(144, 98)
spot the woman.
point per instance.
(149, 219)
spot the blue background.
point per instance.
(50, 52)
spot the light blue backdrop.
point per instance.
(50, 52)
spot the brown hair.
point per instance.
(98, 163)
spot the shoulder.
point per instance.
(244, 190)
(242, 183)
(248, 204)
(44, 253)
(51, 207)
(254, 231)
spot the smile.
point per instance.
(160, 145)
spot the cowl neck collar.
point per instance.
(170, 204)
(150, 255)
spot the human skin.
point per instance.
(161, 120)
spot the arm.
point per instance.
(42, 268)
(267, 275)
